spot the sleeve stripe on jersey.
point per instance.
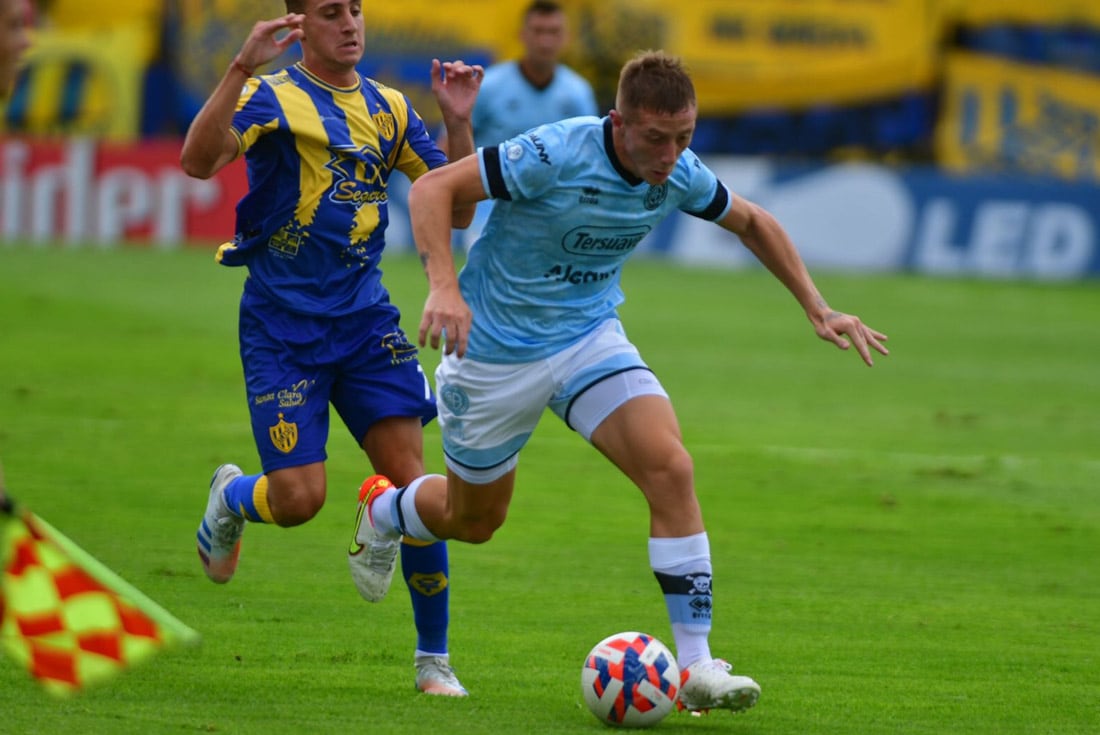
(490, 156)
(717, 206)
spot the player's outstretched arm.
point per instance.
(765, 237)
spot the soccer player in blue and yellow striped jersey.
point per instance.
(316, 324)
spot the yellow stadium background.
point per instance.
(87, 69)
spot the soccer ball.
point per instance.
(630, 680)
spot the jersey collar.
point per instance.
(609, 147)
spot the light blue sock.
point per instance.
(683, 569)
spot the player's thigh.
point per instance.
(395, 448)
(597, 375)
(481, 503)
(379, 378)
(287, 391)
(642, 437)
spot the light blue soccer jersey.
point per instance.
(566, 217)
(319, 160)
(508, 104)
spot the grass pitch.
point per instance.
(913, 548)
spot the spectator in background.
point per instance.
(532, 90)
(14, 17)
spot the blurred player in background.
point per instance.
(531, 323)
(537, 88)
(316, 323)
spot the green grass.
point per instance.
(913, 548)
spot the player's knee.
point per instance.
(479, 529)
(292, 504)
(681, 469)
(669, 481)
(674, 470)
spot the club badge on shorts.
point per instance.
(284, 435)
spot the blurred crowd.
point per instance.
(177, 49)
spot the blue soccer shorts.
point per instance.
(295, 365)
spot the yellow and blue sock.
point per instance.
(246, 496)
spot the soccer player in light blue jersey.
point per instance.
(316, 324)
(535, 89)
(531, 323)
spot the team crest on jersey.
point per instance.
(386, 125)
(656, 195)
(284, 435)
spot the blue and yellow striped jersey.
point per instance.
(319, 158)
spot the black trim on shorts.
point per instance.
(594, 383)
(478, 469)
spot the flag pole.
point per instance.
(108, 578)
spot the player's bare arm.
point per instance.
(765, 237)
(209, 144)
(431, 200)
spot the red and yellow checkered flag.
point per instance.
(68, 618)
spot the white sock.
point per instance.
(381, 512)
(428, 654)
(403, 517)
(680, 564)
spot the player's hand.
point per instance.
(265, 43)
(834, 326)
(446, 319)
(455, 85)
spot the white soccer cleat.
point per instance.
(219, 534)
(707, 685)
(434, 675)
(371, 556)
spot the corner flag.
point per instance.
(65, 616)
